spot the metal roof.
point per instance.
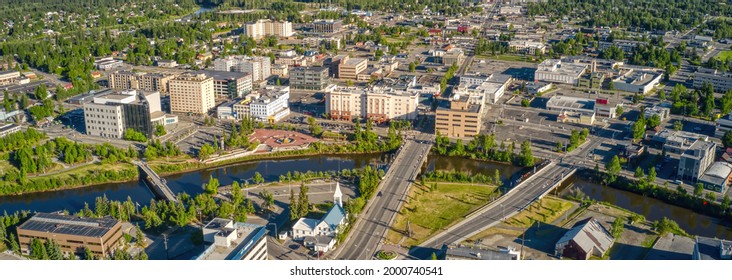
(71, 225)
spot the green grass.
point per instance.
(430, 211)
(649, 241)
(724, 55)
(507, 57)
(547, 210)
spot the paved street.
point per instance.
(368, 233)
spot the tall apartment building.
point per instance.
(695, 160)
(191, 93)
(73, 234)
(309, 78)
(376, 103)
(265, 27)
(260, 67)
(139, 80)
(111, 113)
(229, 84)
(458, 117)
(349, 68)
(557, 71)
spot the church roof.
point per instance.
(334, 216)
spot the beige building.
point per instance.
(265, 27)
(376, 103)
(192, 94)
(73, 234)
(458, 118)
(280, 70)
(139, 80)
(349, 68)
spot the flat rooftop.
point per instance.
(562, 67)
(71, 225)
(354, 61)
(223, 75)
(568, 102)
(248, 236)
(638, 78)
(479, 254)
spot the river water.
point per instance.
(653, 209)
(190, 182)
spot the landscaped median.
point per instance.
(434, 207)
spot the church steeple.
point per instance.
(338, 195)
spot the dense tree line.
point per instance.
(20, 139)
(484, 146)
(687, 102)
(649, 15)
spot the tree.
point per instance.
(53, 250)
(698, 190)
(294, 208)
(160, 130)
(140, 238)
(133, 135)
(412, 67)
(639, 128)
(205, 152)
(14, 243)
(38, 250)
(258, 179)
(212, 186)
(654, 121)
(88, 255)
(613, 168)
(526, 157)
(725, 202)
(619, 111)
(304, 203)
(525, 102)
(617, 228)
(678, 125)
(434, 256)
(727, 139)
(560, 147)
(268, 199)
(497, 177)
(236, 195)
(639, 172)
(652, 175)
(41, 92)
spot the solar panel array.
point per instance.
(70, 225)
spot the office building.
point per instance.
(483, 88)
(662, 112)
(9, 77)
(327, 26)
(557, 71)
(717, 177)
(626, 45)
(637, 81)
(265, 27)
(350, 68)
(229, 240)
(73, 234)
(560, 103)
(378, 103)
(677, 141)
(721, 81)
(309, 78)
(229, 84)
(259, 66)
(606, 108)
(723, 125)
(190, 93)
(706, 248)
(333, 63)
(527, 47)
(107, 63)
(123, 80)
(695, 160)
(111, 113)
(280, 70)
(7, 129)
(458, 117)
(271, 105)
(591, 80)
(156, 82)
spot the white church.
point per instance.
(320, 234)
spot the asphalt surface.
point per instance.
(369, 230)
(512, 202)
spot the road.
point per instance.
(513, 201)
(369, 230)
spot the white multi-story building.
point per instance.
(260, 67)
(721, 81)
(111, 113)
(481, 89)
(527, 47)
(191, 93)
(265, 27)
(637, 81)
(271, 105)
(557, 71)
(377, 103)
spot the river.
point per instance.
(652, 209)
(190, 182)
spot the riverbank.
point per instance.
(108, 173)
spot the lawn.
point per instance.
(507, 57)
(430, 211)
(547, 210)
(724, 55)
